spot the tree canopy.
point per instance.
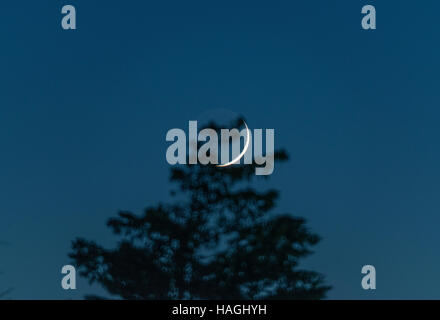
(218, 239)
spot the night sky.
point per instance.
(84, 114)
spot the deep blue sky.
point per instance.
(83, 118)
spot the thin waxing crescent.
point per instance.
(246, 146)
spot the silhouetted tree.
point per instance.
(3, 292)
(218, 240)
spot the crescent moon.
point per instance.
(246, 146)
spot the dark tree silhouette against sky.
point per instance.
(219, 239)
(4, 292)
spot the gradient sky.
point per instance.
(84, 113)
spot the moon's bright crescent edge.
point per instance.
(246, 146)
